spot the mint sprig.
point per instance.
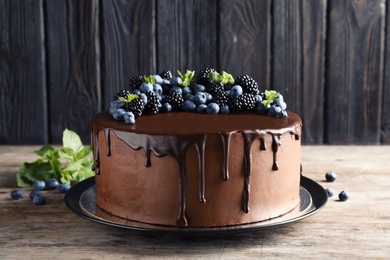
(128, 99)
(186, 78)
(224, 77)
(77, 166)
(269, 96)
(148, 79)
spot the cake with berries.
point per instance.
(205, 151)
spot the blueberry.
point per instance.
(189, 97)
(176, 89)
(189, 106)
(52, 184)
(175, 81)
(39, 185)
(166, 107)
(186, 91)
(144, 98)
(280, 103)
(33, 193)
(158, 79)
(224, 109)
(63, 187)
(16, 194)
(330, 192)
(209, 96)
(343, 196)
(235, 91)
(258, 99)
(129, 118)
(274, 110)
(199, 88)
(330, 176)
(115, 104)
(200, 98)
(157, 89)
(201, 108)
(136, 92)
(261, 109)
(146, 87)
(119, 113)
(212, 108)
(39, 199)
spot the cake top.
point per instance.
(210, 92)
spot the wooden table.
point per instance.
(357, 228)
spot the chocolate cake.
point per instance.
(196, 168)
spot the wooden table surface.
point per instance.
(357, 228)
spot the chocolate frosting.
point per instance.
(171, 134)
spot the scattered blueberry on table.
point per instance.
(39, 185)
(39, 199)
(330, 192)
(16, 194)
(330, 176)
(52, 184)
(343, 196)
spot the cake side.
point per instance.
(209, 178)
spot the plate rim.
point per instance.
(317, 194)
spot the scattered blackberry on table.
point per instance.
(136, 106)
(135, 82)
(248, 84)
(166, 74)
(175, 99)
(123, 94)
(244, 103)
(152, 106)
(203, 76)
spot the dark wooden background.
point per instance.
(62, 61)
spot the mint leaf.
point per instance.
(83, 152)
(45, 152)
(30, 172)
(270, 94)
(227, 78)
(149, 79)
(71, 140)
(215, 77)
(67, 153)
(186, 78)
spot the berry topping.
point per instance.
(211, 92)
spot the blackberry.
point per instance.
(203, 76)
(244, 103)
(214, 88)
(153, 103)
(175, 100)
(221, 98)
(248, 84)
(123, 93)
(135, 82)
(136, 106)
(166, 74)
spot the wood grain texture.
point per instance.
(128, 43)
(385, 124)
(354, 71)
(186, 35)
(23, 109)
(356, 229)
(298, 47)
(74, 66)
(244, 39)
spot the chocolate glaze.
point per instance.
(173, 133)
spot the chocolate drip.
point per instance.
(176, 147)
(225, 144)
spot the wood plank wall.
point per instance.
(62, 61)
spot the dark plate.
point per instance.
(81, 200)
